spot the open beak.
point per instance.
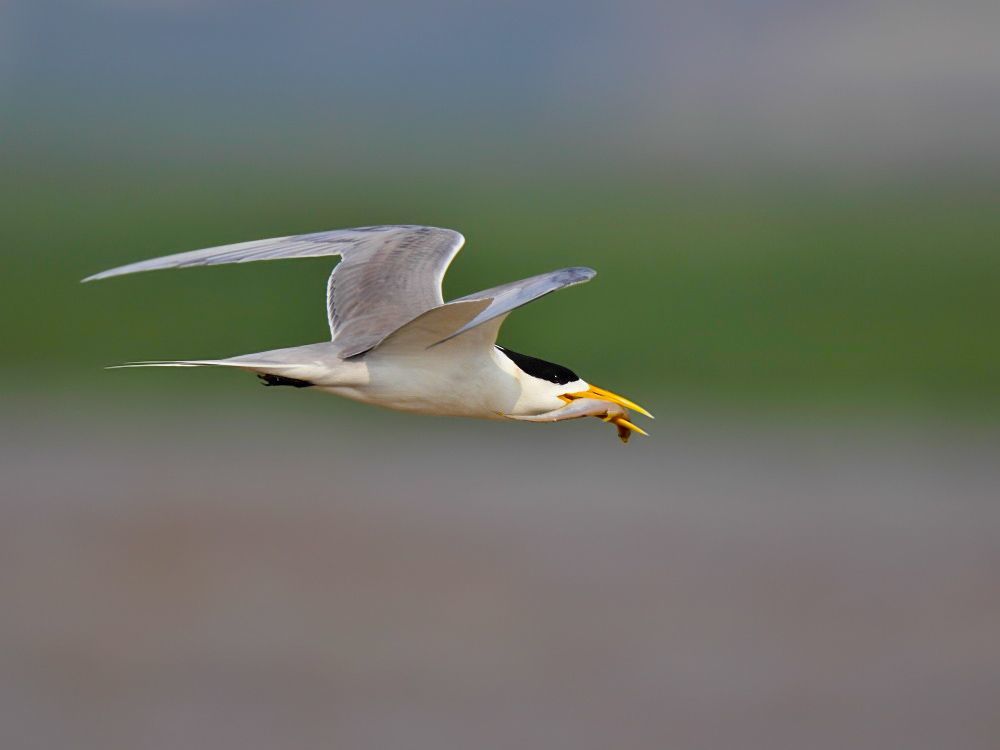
(625, 427)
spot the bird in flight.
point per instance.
(396, 343)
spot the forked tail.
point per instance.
(264, 371)
(260, 366)
(308, 364)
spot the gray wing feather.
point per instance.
(508, 297)
(388, 275)
(386, 282)
(484, 311)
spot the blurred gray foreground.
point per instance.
(210, 579)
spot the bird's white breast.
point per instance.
(449, 380)
(445, 380)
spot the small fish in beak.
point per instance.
(621, 421)
(594, 402)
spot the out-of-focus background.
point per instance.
(793, 209)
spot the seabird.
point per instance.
(396, 343)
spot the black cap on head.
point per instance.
(539, 368)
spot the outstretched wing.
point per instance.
(388, 275)
(385, 281)
(508, 297)
(484, 311)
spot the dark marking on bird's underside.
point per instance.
(268, 379)
(541, 369)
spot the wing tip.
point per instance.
(119, 271)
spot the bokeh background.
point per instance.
(793, 209)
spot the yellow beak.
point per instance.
(625, 428)
(603, 395)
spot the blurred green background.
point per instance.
(793, 211)
(771, 225)
(881, 297)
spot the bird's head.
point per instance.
(552, 393)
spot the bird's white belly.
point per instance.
(438, 382)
